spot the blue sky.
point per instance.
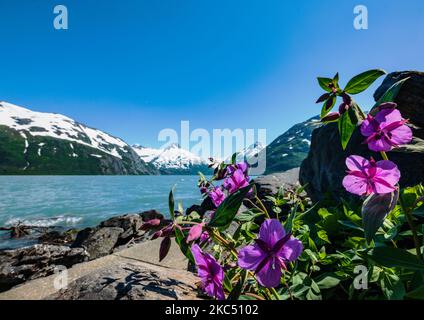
(134, 67)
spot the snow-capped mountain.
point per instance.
(48, 143)
(173, 160)
(291, 148)
(249, 152)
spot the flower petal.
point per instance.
(198, 256)
(250, 257)
(270, 275)
(378, 145)
(401, 135)
(291, 250)
(388, 170)
(354, 184)
(271, 231)
(367, 129)
(388, 116)
(357, 163)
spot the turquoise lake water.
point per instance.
(80, 201)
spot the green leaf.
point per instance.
(347, 125)
(328, 105)
(226, 212)
(171, 203)
(395, 257)
(375, 209)
(417, 294)
(327, 281)
(391, 93)
(322, 234)
(234, 158)
(250, 296)
(227, 283)
(324, 83)
(247, 216)
(362, 81)
(336, 80)
(235, 293)
(392, 287)
(185, 248)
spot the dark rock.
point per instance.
(130, 223)
(150, 215)
(130, 282)
(270, 184)
(20, 265)
(410, 97)
(324, 168)
(98, 241)
(205, 206)
(58, 238)
(111, 234)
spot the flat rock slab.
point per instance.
(130, 281)
(149, 252)
(135, 272)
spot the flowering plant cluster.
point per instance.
(281, 246)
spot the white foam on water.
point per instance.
(45, 222)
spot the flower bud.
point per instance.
(150, 224)
(347, 99)
(343, 108)
(331, 117)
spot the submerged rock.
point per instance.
(324, 168)
(57, 237)
(20, 265)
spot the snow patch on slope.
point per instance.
(173, 157)
(60, 127)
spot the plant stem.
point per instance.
(224, 242)
(384, 155)
(410, 219)
(260, 209)
(275, 294)
(263, 207)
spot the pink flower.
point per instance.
(195, 232)
(210, 273)
(270, 253)
(369, 177)
(205, 237)
(243, 166)
(237, 181)
(217, 196)
(386, 130)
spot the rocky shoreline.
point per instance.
(70, 247)
(112, 236)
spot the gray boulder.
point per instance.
(270, 184)
(20, 265)
(98, 241)
(324, 168)
(130, 223)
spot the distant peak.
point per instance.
(173, 146)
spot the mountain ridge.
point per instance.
(50, 143)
